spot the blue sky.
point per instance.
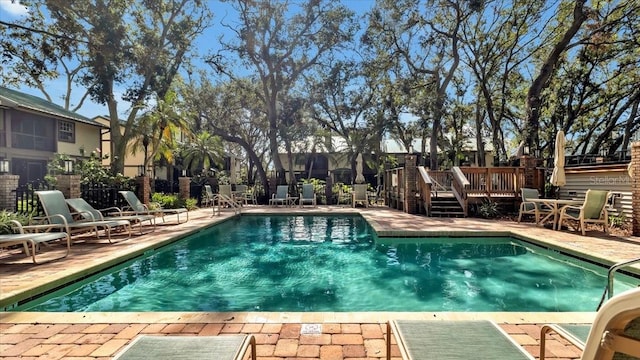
(13, 11)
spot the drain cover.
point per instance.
(311, 329)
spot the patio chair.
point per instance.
(593, 211)
(527, 207)
(281, 197)
(82, 207)
(615, 330)
(453, 340)
(359, 195)
(238, 195)
(224, 347)
(58, 214)
(34, 240)
(250, 196)
(208, 196)
(137, 207)
(307, 195)
(226, 197)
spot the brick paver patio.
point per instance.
(279, 335)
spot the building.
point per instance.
(133, 162)
(32, 130)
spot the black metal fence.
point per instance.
(102, 196)
(26, 200)
(99, 196)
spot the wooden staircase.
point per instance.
(445, 205)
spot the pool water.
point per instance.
(336, 263)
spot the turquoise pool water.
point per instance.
(335, 263)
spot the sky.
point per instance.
(13, 11)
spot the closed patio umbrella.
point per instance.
(359, 170)
(557, 177)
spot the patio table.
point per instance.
(555, 205)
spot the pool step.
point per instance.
(446, 207)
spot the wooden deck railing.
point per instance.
(459, 187)
(394, 192)
(494, 182)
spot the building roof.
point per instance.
(13, 99)
(392, 146)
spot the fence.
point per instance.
(102, 196)
(26, 200)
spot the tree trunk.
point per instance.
(534, 102)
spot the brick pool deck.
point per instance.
(279, 335)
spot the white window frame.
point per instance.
(66, 131)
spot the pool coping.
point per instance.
(248, 317)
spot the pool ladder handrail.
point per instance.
(608, 290)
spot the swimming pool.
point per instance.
(335, 263)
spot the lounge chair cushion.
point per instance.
(456, 340)
(225, 347)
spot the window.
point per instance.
(32, 132)
(66, 131)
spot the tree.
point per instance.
(425, 37)
(136, 45)
(158, 129)
(201, 152)
(232, 112)
(278, 41)
(32, 56)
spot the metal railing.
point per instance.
(608, 290)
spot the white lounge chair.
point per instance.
(34, 240)
(58, 214)
(139, 208)
(81, 206)
(615, 330)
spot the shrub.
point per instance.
(167, 201)
(488, 210)
(617, 221)
(6, 227)
(191, 204)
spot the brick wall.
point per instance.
(8, 185)
(528, 163)
(69, 185)
(184, 186)
(635, 186)
(144, 189)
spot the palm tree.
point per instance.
(158, 130)
(202, 152)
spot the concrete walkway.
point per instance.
(279, 335)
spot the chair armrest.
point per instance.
(111, 210)
(85, 215)
(47, 225)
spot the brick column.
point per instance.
(8, 186)
(184, 186)
(635, 187)
(410, 184)
(528, 164)
(144, 189)
(69, 185)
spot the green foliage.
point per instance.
(191, 204)
(488, 210)
(167, 201)
(6, 227)
(90, 169)
(617, 221)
